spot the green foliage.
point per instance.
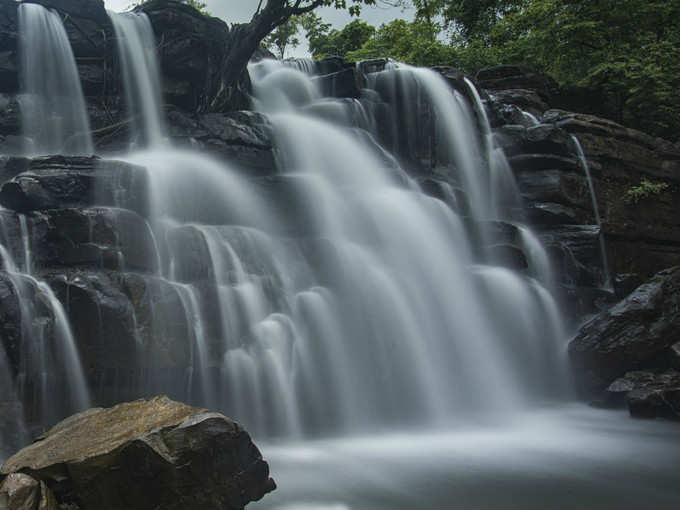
(338, 42)
(646, 189)
(284, 36)
(414, 43)
(316, 31)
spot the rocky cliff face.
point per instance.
(191, 55)
(641, 237)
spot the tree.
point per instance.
(246, 37)
(411, 42)
(283, 36)
(316, 31)
(338, 42)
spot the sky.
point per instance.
(239, 11)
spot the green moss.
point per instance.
(646, 189)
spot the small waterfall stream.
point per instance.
(608, 282)
(53, 112)
(137, 52)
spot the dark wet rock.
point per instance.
(546, 139)
(629, 334)
(8, 46)
(241, 138)
(86, 9)
(332, 64)
(11, 166)
(374, 65)
(550, 213)
(146, 454)
(136, 331)
(10, 321)
(505, 77)
(192, 48)
(648, 394)
(344, 83)
(455, 78)
(19, 491)
(526, 100)
(576, 258)
(555, 186)
(98, 237)
(642, 237)
(543, 161)
(69, 181)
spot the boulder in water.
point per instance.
(630, 334)
(153, 453)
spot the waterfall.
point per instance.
(607, 283)
(141, 76)
(354, 312)
(49, 374)
(378, 299)
(338, 297)
(53, 113)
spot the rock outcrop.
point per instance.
(648, 394)
(144, 454)
(641, 237)
(637, 333)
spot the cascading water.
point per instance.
(139, 65)
(54, 117)
(607, 283)
(352, 318)
(49, 376)
(47, 382)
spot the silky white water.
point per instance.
(141, 76)
(565, 458)
(49, 374)
(352, 312)
(54, 117)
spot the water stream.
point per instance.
(53, 113)
(608, 283)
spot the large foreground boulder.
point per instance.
(634, 334)
(147, 454)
